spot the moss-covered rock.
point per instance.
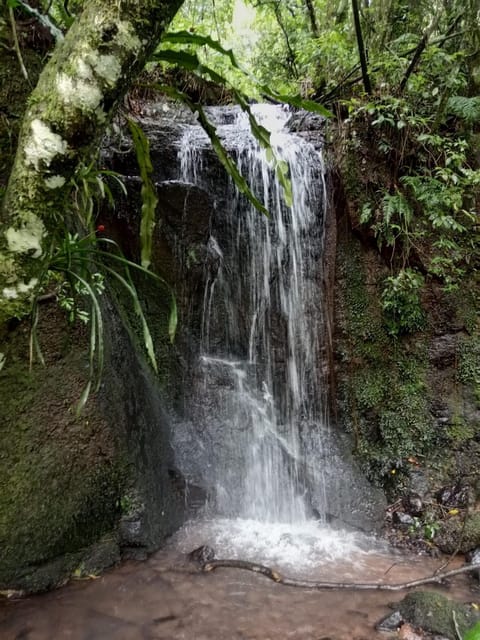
(459, 536)
(437, 614)
(411, 401)
(61, 475)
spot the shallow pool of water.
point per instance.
(167, 598)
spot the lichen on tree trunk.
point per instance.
(68, 111)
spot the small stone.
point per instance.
(413, 504)
(390, 623)
(403, 519)
(453, 496)
(202, 554)
(407, 632)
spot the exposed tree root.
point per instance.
(312, 584)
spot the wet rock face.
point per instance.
(187, 247)
(70, 476)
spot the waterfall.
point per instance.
(260, 385)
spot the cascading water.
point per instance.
(258, 403)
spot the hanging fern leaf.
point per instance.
(186, 37)
(192, 63)
(217, 145)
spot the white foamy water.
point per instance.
(309, 549)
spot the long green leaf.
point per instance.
(96, 341)
(147, 336)
(219, 149)
(173, 320)
(148, 192)
(187, 38)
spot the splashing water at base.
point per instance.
(301, 550)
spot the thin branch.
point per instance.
(422, 45)
(312, 584)
(291, 58)
(16, 43)
(313, 19)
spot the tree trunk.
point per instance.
(89, 72)
(313, 18)
(361, 48)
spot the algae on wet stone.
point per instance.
(437, 614)
(60, 476)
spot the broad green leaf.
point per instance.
(185, 37)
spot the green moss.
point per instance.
(435, 613)
(383, 389)
(60, 476)
(468, 371)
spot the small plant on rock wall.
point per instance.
(401, 302)
(80, 264)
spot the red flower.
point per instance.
(101, 227)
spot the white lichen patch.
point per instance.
(108, 68)
(55, 182)
(43, 145)
(84, 70)
(28, 237)
(23, 287)
(11, 293)
(126, 37)
(83, 93)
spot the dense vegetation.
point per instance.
(402, 80)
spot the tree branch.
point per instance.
(312, 584)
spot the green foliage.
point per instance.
(400, 300)
(425, 528)
(468, 371)
(77, 269)
(473, 633)
(90, 187)
(80, 263)
(465, 108)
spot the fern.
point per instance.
(467, 109)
